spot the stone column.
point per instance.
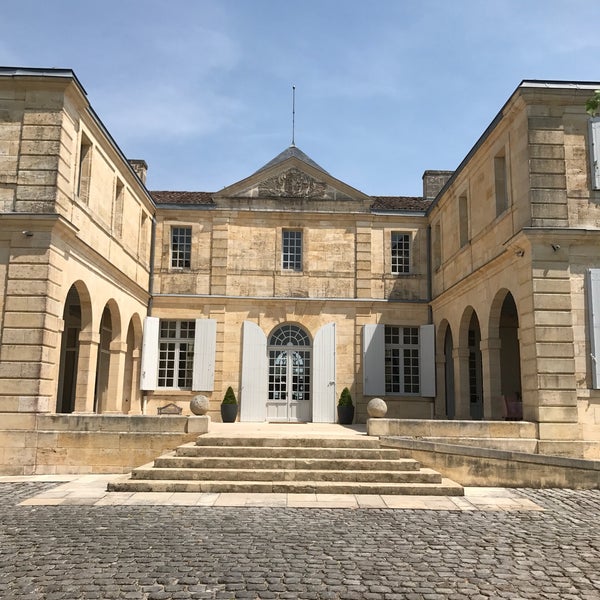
(461, 382)
(116, 375)
(135, 406)
(492, 378)
(87, 361)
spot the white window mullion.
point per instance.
(595, 152)
(205, 347)
(594, 324)
(149, 364)
(374, 360)
(427, 360)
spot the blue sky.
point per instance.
(385, 89)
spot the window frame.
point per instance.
(400, 256)
(169, 376)
(292, 254)
(180, 258)
(405, 367)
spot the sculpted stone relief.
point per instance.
(292, 184)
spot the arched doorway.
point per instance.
(131, 393)
(289, 352)
(449, 374)
(103, 364)
(510, 356)
(69, 353)
(475, 369)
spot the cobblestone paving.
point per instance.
(153, 552)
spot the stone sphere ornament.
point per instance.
(199, 405)
(376, 408)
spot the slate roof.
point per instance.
(189, 198)
(416, 203)
(292, 151)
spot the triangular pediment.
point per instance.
(292, 175)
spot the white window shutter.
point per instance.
(323, 383)
(594, 321)
(205, 347)
(595, 152)
(255, 373)
(427, 360)
(149, 367)
(374, 360)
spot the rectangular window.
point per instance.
(437, 246)
(118, 208)
(291, 258)
(500, 183)
(85, 168)
(176, 354)
(181, 247)
(400, 252)
(463, 220)
(402, 360)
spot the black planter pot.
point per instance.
(229, 413)
(345, 415)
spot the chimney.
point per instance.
(140, 167)
(433, 182)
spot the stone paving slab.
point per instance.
(168, 550)
(91, 490)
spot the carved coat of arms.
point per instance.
(292, 183)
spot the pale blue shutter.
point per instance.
(594, 321)
(205, 347)
(427, 360)
(323, 386)
(255, 373)
(149, 367)
(374, 360)
(595, 152)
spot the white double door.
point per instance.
(287, 377)
(289, 385)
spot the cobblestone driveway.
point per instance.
(152, 552)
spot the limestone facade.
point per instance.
(291, 285)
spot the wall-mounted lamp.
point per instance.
(555, 247)
(27, 233)
(519, 252)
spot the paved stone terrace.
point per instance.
(548, 548)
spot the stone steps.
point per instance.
(445, 488)
(354, 465)
(192, 450)
(283, 475)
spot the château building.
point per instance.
(480, 296)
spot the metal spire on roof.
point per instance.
(293, 114)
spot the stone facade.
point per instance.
(290, 285)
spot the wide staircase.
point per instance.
(356, 465)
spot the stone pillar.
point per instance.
(135, 406)
(461, 382)
(89, 341)
(116, 375)
(492, 378)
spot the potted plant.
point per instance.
(229, 407)
(345, 408)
